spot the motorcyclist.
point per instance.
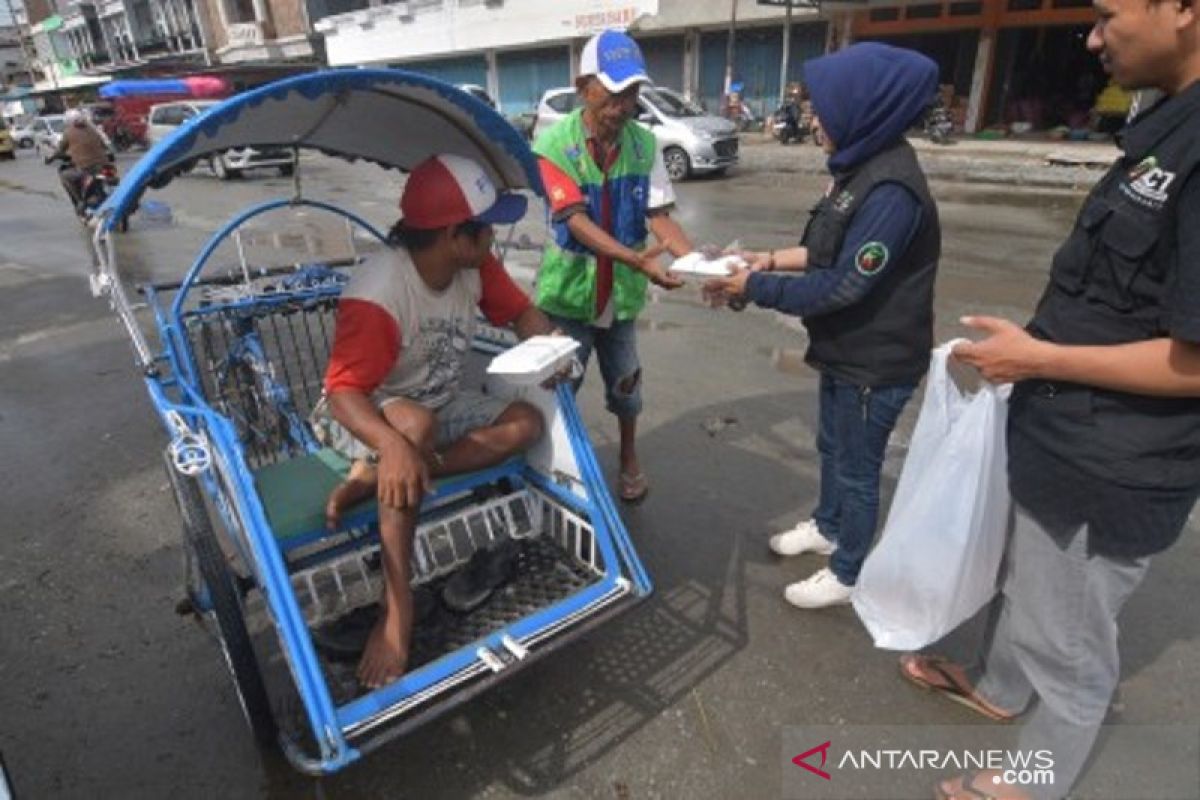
(789, 114)
(939, 126)
(85, 151)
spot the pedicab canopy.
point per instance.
(390, 117)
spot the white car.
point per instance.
(23, 133)
(692, 141)
(478, 92)
(165, 118)
(47, 133)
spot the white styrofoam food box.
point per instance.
(534, 360)
(694, 263)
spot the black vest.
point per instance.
(885, 337)
(1110, 284)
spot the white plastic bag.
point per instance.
(937, 561)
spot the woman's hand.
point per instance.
(759, 262)
(726, 291)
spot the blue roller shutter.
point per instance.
(525, 76)
(664, 60)
(758, 56)
(467, 69)
(808, 41)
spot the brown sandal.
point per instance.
(969, 786)
(633, 488)
(943, 676)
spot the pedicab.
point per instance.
(233, 359)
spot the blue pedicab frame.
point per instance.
(353, 114)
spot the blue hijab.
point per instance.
(867, 96)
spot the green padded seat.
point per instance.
(293, 492)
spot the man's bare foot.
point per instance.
(345, 495)
(385, 656)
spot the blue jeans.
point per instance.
(616, 350)
(856, 422)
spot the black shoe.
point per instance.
(344, 638)
(470, 587)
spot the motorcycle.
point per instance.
(938, 125)
(89, 187)
(123, 139)
(787, 126)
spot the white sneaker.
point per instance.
(804, 538)
(820, 590)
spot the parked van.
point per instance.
(692, 140)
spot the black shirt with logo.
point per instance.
(1126, 465)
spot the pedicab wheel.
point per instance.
(200, 542)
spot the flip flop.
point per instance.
(633, 488)
(967, 785)
(948, 685)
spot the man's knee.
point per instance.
(625, 394)
(628, 385)
(417, 423)
(528, 420)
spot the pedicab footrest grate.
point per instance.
(544, 575)
(555, 557)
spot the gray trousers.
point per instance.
(1056, 639)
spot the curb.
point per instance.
(1028, 171)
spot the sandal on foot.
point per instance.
(633, 488)
(975, 786)
(943, 676)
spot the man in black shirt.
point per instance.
(1104, 425)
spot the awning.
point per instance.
(51, 23)
(68, 83)
(16, 93)
(866, 5)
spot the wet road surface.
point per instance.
(105, 692)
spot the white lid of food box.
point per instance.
(694, 263)
(535, 359)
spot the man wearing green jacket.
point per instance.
(608, 190)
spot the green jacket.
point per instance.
(566, 283)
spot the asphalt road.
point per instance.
(105, 692)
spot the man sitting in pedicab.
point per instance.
(393, 404)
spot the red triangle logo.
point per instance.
(823, 749)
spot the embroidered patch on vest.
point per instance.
(870, 258)
(1145, 165)
(842, 202)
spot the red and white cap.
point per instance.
(446, 190)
